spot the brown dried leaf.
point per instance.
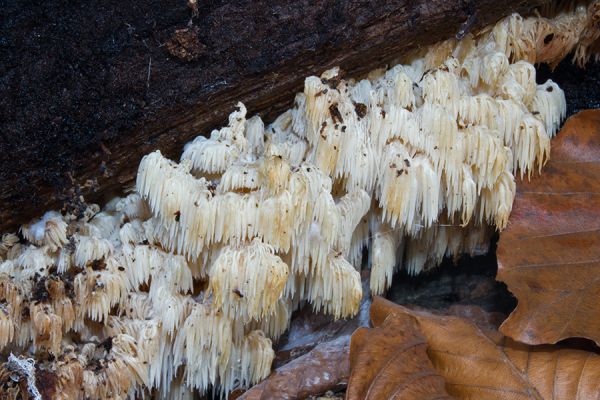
(390, 362)
(549, 256)
(475, 363)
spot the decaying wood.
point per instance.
(88, 90)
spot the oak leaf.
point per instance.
(549, 256)
(476, 363)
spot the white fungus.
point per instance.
(180, 287)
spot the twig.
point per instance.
(149, 69)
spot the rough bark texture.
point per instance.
(88, 88)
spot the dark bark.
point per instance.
(88, 88)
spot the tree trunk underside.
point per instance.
(87, 90)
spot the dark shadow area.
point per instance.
(471, 281)
(581, 86)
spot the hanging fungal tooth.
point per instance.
(104, 225)
(206, 335)
(47, 327)
(438, 53)
(384, 255)
(165, 184)
(179, 287)
(61, 303)
(466, 192)
(200, 218)
(7, 326)
(524, 74)
(137, 306)
(424, 249)
(168, 271)
(439, 138)
(9, 290)
(336, 288)
(239, 176)
(351, 209)
(274, 173)
(288, 146)
(532, 146)
(513, 36)
(96, 292)
(8, 241)
(359, 242)
(247, 282)
(275, 324)
(172, 273)
(494, 65)
(64, 261)
(90, 249)
(132, 232)
(496, 201)
(250, 362)
(255, 135)
(133, 207)
(34, 259)
(319, 98)
(588, 36)
(50, 230)
(507, 122)
(441, 86)
(122, 372)
(486, 153)
(549, 106)
(170, 308)
(215, 154)
(15, 251)
(409, 188)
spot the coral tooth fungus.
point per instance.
(182, 285)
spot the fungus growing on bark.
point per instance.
(181, 286)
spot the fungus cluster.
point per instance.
(181, 286)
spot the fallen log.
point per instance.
(88, 90)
